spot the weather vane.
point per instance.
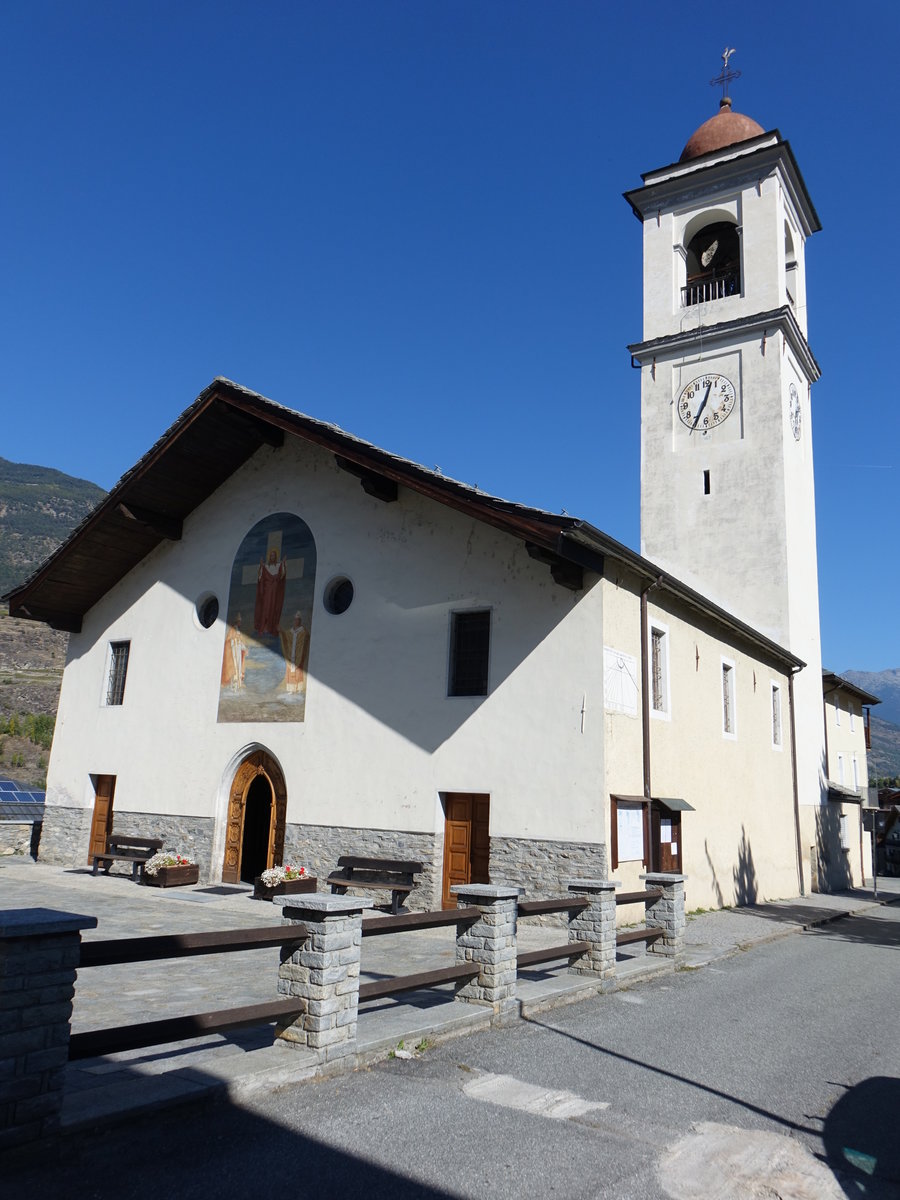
(726, 74)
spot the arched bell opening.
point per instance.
(257, 806)
(791, 277)
(713, 263)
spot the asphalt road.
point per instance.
(772, 1074)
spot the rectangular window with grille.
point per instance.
(729, 727)
(118, 668)
(776, 715)
(470, 644)
(659, 669)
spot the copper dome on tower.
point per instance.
(724, 129)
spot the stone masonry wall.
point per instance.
(320, 846)
(188, 835)
(544, 868)
(66, 836)
(16, 837)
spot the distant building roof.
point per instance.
(18, 802)
(834, 682)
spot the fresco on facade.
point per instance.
(268, 622)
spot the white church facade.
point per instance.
(288, 644)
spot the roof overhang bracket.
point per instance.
(66, 622)
(373, 484)
(567, 574)
(167, 527)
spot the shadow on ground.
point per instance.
(860, 1135)
(207, 1149)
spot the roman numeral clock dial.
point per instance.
(706, 402)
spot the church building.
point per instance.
(289, 645)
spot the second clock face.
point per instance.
(706, 402)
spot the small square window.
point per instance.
(118, 668)
(470, 644)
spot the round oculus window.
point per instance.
(338, 595)
(207, 610)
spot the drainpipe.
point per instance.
(795, 781)
(645, 714)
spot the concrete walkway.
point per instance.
(122, 1085)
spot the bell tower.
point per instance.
(727, 491)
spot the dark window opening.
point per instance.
(338, 595)
(470, 642)
(706, 483)
(118, 668)
(207, 611)
(713, 264)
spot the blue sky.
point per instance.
(407, 218)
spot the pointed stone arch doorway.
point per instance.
(257, 805)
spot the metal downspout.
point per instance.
(645, 714)
(796, 784)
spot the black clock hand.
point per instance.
(702, 406)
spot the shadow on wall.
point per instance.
(831, 866)
(746, 890)
(720, 899)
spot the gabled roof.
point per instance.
(222, 429)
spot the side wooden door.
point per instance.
(102, 820)
(466, 842)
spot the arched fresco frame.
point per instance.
(256, 763)
(268, 623)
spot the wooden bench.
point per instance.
(135, 850)
(379, 874)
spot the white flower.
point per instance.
(167, 858)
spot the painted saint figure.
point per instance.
(233, 657)
(293, 646)
(269, 594)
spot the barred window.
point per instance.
(470, 643)
(659, 670)
(776, 715)
(118, 667)
(728, 721)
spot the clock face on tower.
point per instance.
(706, 402)
(794, 411)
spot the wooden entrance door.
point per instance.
(467, 846)
(102, 820)
(256, 764)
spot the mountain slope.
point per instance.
(883, 684)
(39, 507)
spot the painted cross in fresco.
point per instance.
(264, 659)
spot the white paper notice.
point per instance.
(630, 829)
(665, 830)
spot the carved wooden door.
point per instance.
(258, 763)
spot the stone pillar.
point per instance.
(595, 924)
(39, 953)
(323, 973)
(666, 913)
(490, 942)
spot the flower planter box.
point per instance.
(173, 876)
(289, 887)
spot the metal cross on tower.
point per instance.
(726, 75)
